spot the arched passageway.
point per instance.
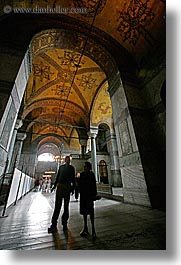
(74, 78)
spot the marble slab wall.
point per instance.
(148, 117)
(9, 111)
(115, 176)
(132, 174)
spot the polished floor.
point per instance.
(119, 226)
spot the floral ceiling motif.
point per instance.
(71, 69)
(133, 22)
(62, 86)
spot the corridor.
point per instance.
(119, 226)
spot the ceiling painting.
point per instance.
(102, 109)
(62, 88)
(132, 23)
(72, 63)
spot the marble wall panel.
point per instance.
(133, 176)
(15, 97)
(130, 159)
(120, 152)
(1, 170)
(125, 138)
(134, 186)
(119, 102)
(132, 135)
(21, 79)
(3, 158)
(136, 196)
(8, 127)
(5, 114)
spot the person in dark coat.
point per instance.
(88, 191)
(65, 183)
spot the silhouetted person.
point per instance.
(37, 184)
(88, 191)
(65, 183)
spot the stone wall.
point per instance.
(148, 117)
(132, 173)
(11, 102)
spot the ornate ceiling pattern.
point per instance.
(62, 88)
(72, 59)
(136, 24)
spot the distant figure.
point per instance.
(77, 186)
(88, 192)
(37, 184)
(49, 185)
(65, 183)
(41, 184)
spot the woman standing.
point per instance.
(88, 191)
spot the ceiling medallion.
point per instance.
(87, 82)
(91, 6)
(134, 20)
(42, 71)
(70, 59)
(62, 90)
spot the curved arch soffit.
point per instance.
(102, 107)
(49, 148)
(75, 41)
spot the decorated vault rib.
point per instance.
(42, 72)
(48, 102)
(64, 39)
(78, 92)
(71, 61)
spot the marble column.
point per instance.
(93, 133)
(18, 146)
(83, 143)
(115, 178)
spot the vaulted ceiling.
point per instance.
(76, 47)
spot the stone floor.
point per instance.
(119, 226)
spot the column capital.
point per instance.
(93, 131)
(21, 136)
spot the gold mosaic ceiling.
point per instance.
(64, 88)
(136, 24)
(68, 83)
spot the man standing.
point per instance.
(65, 183)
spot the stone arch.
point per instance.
(48, 148)
(108, 64)
(101, 139)
(103, 172)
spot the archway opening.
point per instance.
(103, 172)
(46, 157)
